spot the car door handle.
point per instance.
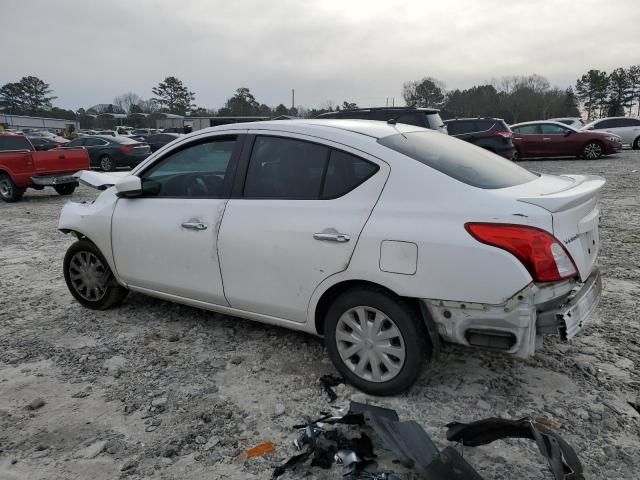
(332, 237)
(546, 139)
(517, 138)
(195, 225)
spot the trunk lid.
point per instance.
(572, 201)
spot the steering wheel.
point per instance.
(196, 187)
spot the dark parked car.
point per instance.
(554, 139)
(421, 117)
(159, 140)
(492, 134)
(108, 153)
(46, 143)
(142, 132)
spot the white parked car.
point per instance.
(627, 128)
(575, 122)
(385, 239)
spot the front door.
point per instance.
(559, 141)
(296, 222)
(166, 240)
(528, 141)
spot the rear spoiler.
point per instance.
(583, 188)
(99, 180)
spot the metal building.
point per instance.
(21, 122)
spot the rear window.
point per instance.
(459, 160)
(123, 140)
(14, 143)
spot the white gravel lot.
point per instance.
(158, 390)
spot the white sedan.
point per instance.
(384, 238)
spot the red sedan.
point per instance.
(555, 139)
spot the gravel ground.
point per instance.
(158, 390)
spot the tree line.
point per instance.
(514, 98)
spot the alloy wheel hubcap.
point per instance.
(106, 164)
(88, 276)
(5, 188)
(370, 344)
(593, 150)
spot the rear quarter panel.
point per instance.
(430, 209)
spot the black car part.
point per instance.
(562, 459)
(414, 449)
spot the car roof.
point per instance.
(474, 118)
(539, 122)
(371, 128)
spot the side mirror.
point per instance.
(568, 132)
(129, 186)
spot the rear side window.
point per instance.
(95, 142)
(527, 129)
(458, 127)
(14, 143)
(459, 160)
(345, 172)
(285, 168)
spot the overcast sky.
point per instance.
(360, 51)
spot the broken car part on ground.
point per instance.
(412, 447)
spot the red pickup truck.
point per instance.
(22, 167)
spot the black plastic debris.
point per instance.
(563, 460)
(414, 449)
(328, 382)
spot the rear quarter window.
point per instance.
(459, 160)
(14, 143)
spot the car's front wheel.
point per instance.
(89, 277)
(376, 341)
(65, 189)
(9, 191)
(592, 151)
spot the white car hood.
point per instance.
(99, 180)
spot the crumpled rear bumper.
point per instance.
(572, 316)
(516, 325)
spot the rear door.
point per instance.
(296, 221)
(528, 140)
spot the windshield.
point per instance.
(458, 159)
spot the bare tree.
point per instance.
(126, 100)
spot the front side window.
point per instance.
(459, 160)
(95, 142)
(285, 168)
(604, 124)
(196, 171)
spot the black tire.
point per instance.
(9, 191)
(112, 293)
(66, 189)
(106, 163)
(406, 320)
(636, 144)
(515, 157)
(592, 151)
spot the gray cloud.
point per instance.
(362, 51)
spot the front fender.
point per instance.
(92, 220)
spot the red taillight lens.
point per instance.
(126, 148)
(502, 133)
(541, 254)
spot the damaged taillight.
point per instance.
(539, 251)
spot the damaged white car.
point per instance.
(384, 238)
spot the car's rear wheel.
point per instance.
(89, 277)
(9, 191)
(592, 151)
(106, 163)
(515, 156)
(376, 341)
(636, 144)
(66, 189)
